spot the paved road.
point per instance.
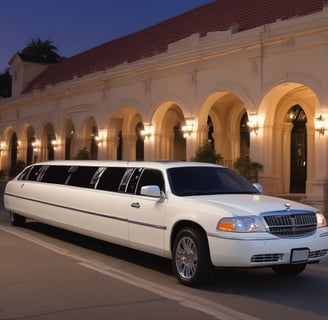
(47, 273)
(41, 280)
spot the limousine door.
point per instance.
(147, 215)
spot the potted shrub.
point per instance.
(206, 153)
(247, 168)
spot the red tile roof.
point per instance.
(217, 15)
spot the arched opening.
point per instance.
(94, 143)
(13, 150)
(219, 124)
(69, 136)
(49, 137)
(119, 152)
(179, 152)
(244, 136)
(31, 150)
(139, 142)
(210, 137)
(169, 119)
(298, 149)
(90, 139)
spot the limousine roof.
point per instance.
(120, 163)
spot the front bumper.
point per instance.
(256, 250)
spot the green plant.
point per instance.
(83, 154)
(247, 168)
(206, 153)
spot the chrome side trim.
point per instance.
(215, 235)
(154, 226)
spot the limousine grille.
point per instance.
(292, 224)
(271, 257)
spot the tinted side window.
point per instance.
(151, 177)
(126, 178)
(55, 174)
(30, 173)
(23, 175)
(110, 179)
(134, 180)
(81, 176)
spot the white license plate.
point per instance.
(299, 255)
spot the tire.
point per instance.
(289, 269)
(17, 220)
(190, 257)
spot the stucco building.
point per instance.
(250, 76)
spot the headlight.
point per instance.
(321, 220)
(241, 224)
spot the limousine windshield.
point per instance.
(189, 181)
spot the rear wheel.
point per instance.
(289, 269)
(17, 220)
(191, 259)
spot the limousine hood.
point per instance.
(249, 204)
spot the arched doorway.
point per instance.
(139, 142)
(94, 143)
(179, 142)
(119, 151)
(244, 136)
(210, 138)
(49, 137)
(13, 150)
(69, 134)
(298, 149)
(31, 148)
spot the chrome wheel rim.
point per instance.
(186, 258)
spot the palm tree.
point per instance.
(42, 51)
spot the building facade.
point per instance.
(259, 90)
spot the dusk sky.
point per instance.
(78, 25)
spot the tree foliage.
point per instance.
(206, 153)
(83, 154)
(42, 51)
(5, 84)
(247, 168)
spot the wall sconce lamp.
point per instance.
(100, 137)
(148, 132)
(253, 123)
(189, 129)
(321, 125)
(55, 143)
(2, 146)
(35, 144)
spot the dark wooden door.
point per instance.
(298, 163)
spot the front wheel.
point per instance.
(289, 269)
(191, 259)
(17, 220)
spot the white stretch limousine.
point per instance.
(199, 215)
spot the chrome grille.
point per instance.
(270, 257)
(286, 224)
(318, 254)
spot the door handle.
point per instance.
(135, 205)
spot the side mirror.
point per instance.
(258, 187)
(152, 191)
